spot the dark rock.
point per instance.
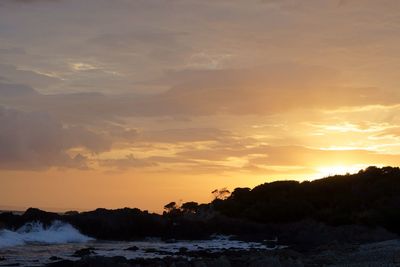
(292, 263)
(198, 263)
(120, 224)
(94, 261)
(270, 244)
(183, 250)
(119, 259)
(396, 257)
(222, 261)
(84, 252)
(151, 262)
(180, 263)
(290, 254)
(62, 263)
(33, 214)
(54, 258)
(71, 213)
(2, 259)
(133, 248)
(151, 250)
(265, 261)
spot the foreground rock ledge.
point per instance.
(385, 253)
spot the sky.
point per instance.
(136, 103)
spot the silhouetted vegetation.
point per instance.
(190, 207)
(221, 194)
(370, 197)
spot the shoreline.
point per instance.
(386, 253)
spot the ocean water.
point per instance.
(33, 245)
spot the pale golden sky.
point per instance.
(140, 102)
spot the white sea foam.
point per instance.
(57, 233)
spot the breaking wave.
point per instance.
(35, 232)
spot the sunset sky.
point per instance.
(114, 103)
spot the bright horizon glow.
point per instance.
(327, 171)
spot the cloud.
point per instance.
(126, 163)
(185, 135)
(9, 90)
(13, 74)
(391, 132)
(303, 156)
(269, 90)
(263, 91)
(12, 51)
(38, 141)
(129, 41)
(151, 60)
(31, 1)
(273, 159)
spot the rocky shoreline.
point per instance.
(309, 243)
(386, 253)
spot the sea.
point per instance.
(36, 245)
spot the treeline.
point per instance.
(370, 197)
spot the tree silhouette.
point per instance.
(170, 207)
(221, 194)
(190, 207)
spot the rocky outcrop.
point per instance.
(308, 234)
(133, 224)
(10, 220)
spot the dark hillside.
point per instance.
(370, 197)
